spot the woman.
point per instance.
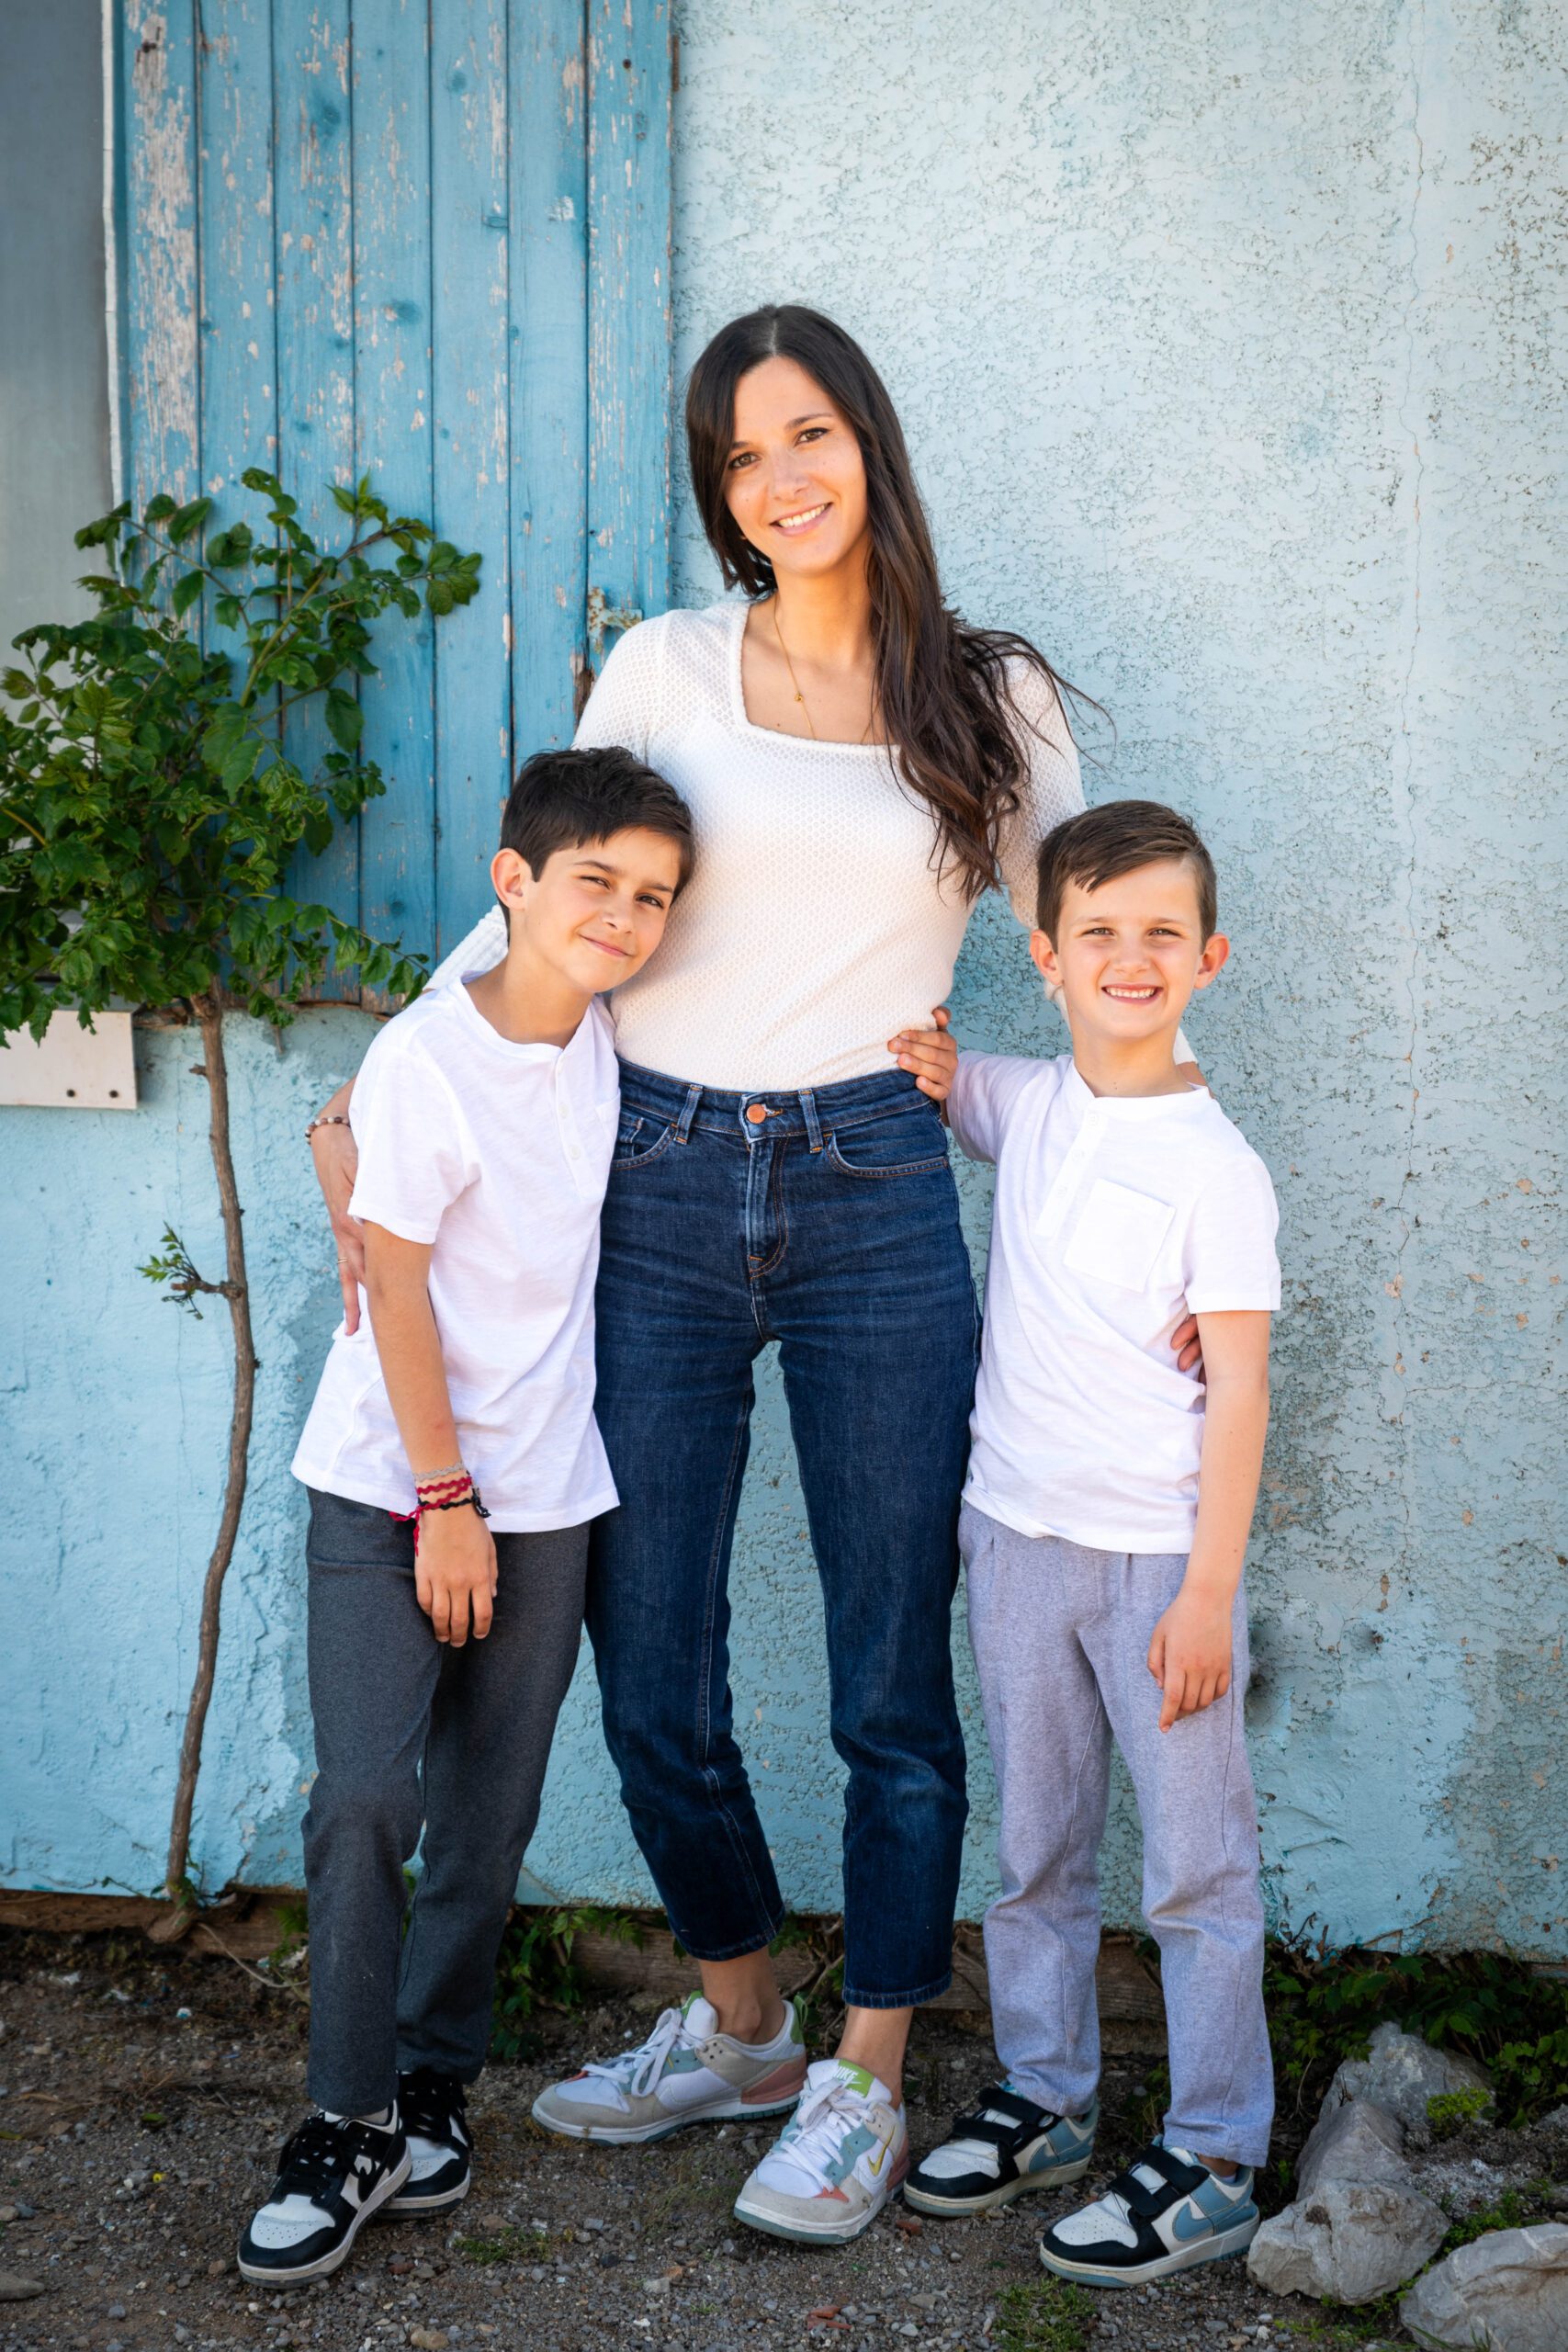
(861, 765)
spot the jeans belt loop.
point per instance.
(683, 1123)
(813, 1123)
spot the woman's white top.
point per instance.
(496, 1154)
(815, 925)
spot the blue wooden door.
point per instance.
(428, 239)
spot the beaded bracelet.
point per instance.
(327, 1119)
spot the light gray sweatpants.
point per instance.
(1061, 1637)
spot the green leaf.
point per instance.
(159, 509)
(438, 596)
(345, 720)
(188, 519)
(186, 589)
(257, 478)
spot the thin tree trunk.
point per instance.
(208, 1011)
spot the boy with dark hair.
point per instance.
(454, 1465)
(1104, 1529)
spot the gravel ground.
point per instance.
(146, 2094)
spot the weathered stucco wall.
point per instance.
(1230, 348)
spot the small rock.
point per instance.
(218, 2266)
(7, 2212)
(116, 2311)
(25, 2213)
(15, 2289)
(1505, 2293)
(1401, 2072)
(428, 2339)
(1353, 2141)
(1557, 2120)
(1350, 2241)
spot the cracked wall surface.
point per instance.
(1230, 348)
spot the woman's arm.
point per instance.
(335, 1155)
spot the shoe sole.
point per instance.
(1187, 2258)
(272, 2275)
(773, 2227)
(609, 2135)
(415, 2205)
(1028, 2184)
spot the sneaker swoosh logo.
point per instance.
(1185, 2225)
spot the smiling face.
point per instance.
(597, 911)
(795, 479)
(1129, 955)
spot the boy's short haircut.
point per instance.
(568, 799)
(1098, 844)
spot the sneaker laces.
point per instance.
(316, 2154)
(635, 2071)
(430, 2103)
(822, 2121)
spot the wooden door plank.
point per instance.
(157, 119)
(629, 91)
(393, 396)
(238, 357)
(469, 304)
(548, 346)
(313, 182)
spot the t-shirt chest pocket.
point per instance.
(1118, 1236)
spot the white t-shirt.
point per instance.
(1114, 1219)
(498, 1154)
(814, 926)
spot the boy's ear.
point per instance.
(510, 876)
(1045, 956)
(1216, 950)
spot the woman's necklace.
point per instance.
(795, 682)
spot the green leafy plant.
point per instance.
(1323, 2006)
(1514, 2209)
(150, 804)
(537, 1968)
(1450, 2111)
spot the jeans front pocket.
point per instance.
(639, 1138)
(907, 1142)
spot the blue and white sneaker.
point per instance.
(1165, 2213)
(1007, 2147)
(837, 2162)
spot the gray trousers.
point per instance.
(1061, 1637)
(411, 1732)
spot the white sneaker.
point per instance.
(837, 2163)
(686, 2072)
(1165, 2213)
(1005, 2147)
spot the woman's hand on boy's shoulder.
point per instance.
(930, 1054)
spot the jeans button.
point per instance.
(756, 1113)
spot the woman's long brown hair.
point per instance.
(941, 687)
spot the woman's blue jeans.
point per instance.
(830, 1225)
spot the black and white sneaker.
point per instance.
(434, 2118)
(1005, 2147)
(333, 2174)
(1165, 2213)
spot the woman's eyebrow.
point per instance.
(812, 416)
